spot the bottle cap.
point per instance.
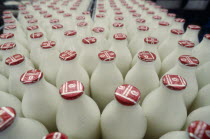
(70, 33)
(80, 18)
(98, 29)
(143, 28)
(57, 26)
(136, 15)
(107, 55)
(48, 44)
(89, 40)
(194, 27)
(31, 76)
(86, 13)
(189, 61)
(119, 18)
(36, 35)
(47, 15)
(199, 130)
(132, 11)
(9, 21)
(68, 55)
(171, 15)
(54, 21)
(28, 16)
(67, 15)
(8, 27)
(118, 13)
(25, 12)
(60, 11)
(34, 27)
(151, 40)
(14, 60)
(127, 95)
(145, 8)
(6, 16)
(102, 11)
(150, 12)
(174, 82)
(181, 20)
(207, 36)
(7, 12)
(120, 36)
(82, 24)
(7, 116)
(140, 20)
(164, 23)
(177, 31)
(146, 56)
(31, 21)
(43, 12)
(71, 90)
(6, 35)
(55, 135)
(100, 15)
(118, 24)
(7, 46)
(186, 43)
(157, 17)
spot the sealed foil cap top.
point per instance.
(6, 16)
(171, 15)
(194, 27)
(36, 35)
(181, 20)
(132, 11)
(189, 61)
(151, 40)
(89, 40)
(55, 135)
(102, 11)
(136, 15)
(118, 24)
(9, 21)
(31, 76)
(32, 21)
(54, 21)
(80, 18)
(186, 43)
(140, 20)
(98, 29)
(119, 18)
(28, 16)
(177, 31)
(207, 36)
(107, 55)
(7, 12)
(82, 24)
(60, 11)
(118, 13)
(127, 95)
(67, 15)
(100, 15)
(120, 36)
(146, 56)
(157, 17)
(43, 12)
(14, 60)
(68, 55)
(70, 33)
(34, 27)
(86, 13)
(6, 35)
(57, 26)
(71, 90)
(25, 12)
(150, 12)
(164, 23)
(199, 130)
(8, 27)
(143, 28)
(47, 15)
(48, 44)
(7, 46)
(174, 82)
(7, 117)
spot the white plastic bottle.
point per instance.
(78, 116)
(4, 83)
(162, 105)
(71, 70)
(191, 34)
(55, 135)
(153, 25)
(117, 27)
(40, 100)
(57, 35)
(105, 79)
(124, 58)
(123, 118)
(83, 30)
(186, 67)
(178, 24)
(203, 75)
(14, 127)
(141, 74)
(88, 57)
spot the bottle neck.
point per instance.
(17, 69)
(205, 42)
(184, 49)
(185, 69)
(119, 43)
(7, 53)
(173, 94)
(70, 62)
(178, 25)
(34, 87)
(192, 33)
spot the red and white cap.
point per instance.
(164, 23)
(146, 56)
(54, 21)
(43, 12)
(73, 8)
(48, 44)
(70, 33)
(25, 12)
(150, 12)
(118, 18)
(141, 5)
(32, 21)
(67, 15)
(102, 11)
(7, 12)
(82, 24)
(14, 60)
(189, 61)
(140, 20)
(34, 27)
(118, 24)
(57, 26)
(118, 13)
(47, 15)
(136, 15)
(157, 17)
(9, 21)
(174, 82)
(31, 76)
(180, 20)
(100, 15)
(71, 90)
(120, 36)
(6, 35)
(36, 35)
(177, 31)
(6, 16)
(194, 27)
(7, 116)
(9, 27)
(117, 9)
(207, 36)
(171, 14)
(127, 94)
(7, 46)
(145, 8)
(186, 43)
(106, 55)
(98, 29)
(199, 130)
(28, 16)
(132, 11)
(80, 17)
(89, 40)
(86, 13)
(151, 40)
(68, 55)
(143, 28)
(60, 11)
(55, 135)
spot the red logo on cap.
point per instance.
(86, 13)
(7, 46)
(150, 12)
(171, 15)
(43, 12)
(199, 130)
(56, 135)
(147, 56)
(60, 11)
(177, 31)
(164, 10)
(70, 33)
(34, 27)
(47, 15)
(57, 26)
(31, 76)
(136, 15)
(186, 43)
(98, 29)
(100, 15)
(151, 40)
(189, 61)
(179, 20)
(48, 44)
(80, 18)
(6, 16)
(68, 55)
(36, 35)
(207, 36)
(118, 24)
(164, 23)
(6, 35)
(118, 12)
(139, 20)
(8, 27)
(143, 28)
(119, 18)
(120, 36)
(28, 16)
(15, 59)
(32, 21)
(7, 117)
(54, 20)
(82, 24)
(107, 55)
(67, 15)
(89, 40)
(157, 17)
(194, 27)
(25, 12)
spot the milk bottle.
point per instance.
(202, 75)
(191, 33)
(100, 34)
(178, 23)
